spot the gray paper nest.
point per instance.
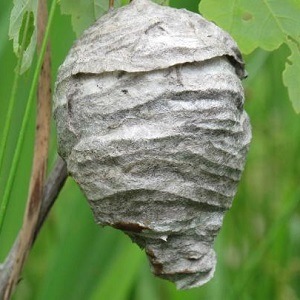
(150, 119)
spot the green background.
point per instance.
(258, 247)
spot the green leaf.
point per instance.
(265, 24)
(256, 23)
(19, 13)
(291, 75)
(85, 12)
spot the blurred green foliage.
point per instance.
(257, 248)
(264, 24)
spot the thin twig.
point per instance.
(54, 184)
(26, 117)
(40, 158)
(52, 188)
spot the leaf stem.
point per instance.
(52, 188)
(25, 120)
(12, 99)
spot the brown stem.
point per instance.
(37, 179)
(53, 186)
(51, 189)
(111, 4)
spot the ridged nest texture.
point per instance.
(150, 119)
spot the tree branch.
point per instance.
(52, 188)
(27, 233)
